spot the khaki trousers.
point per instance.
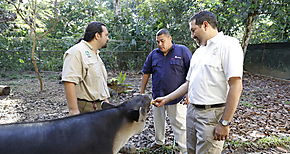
(177, 117)
(200, 124)
(86, 106)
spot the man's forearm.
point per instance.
(71, 97)
(144, 82)
(232, 98)
(179, 92)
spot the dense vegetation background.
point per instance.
(40, 31)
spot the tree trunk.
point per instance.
(34, 61)
(34, 41)
(4, 90)
(248, 32)
(117, 7)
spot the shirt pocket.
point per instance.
(155, 66)
(214, 63)
(176, 65)
(93, 69)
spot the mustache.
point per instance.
(105, 45)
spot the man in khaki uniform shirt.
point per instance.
(84, 74)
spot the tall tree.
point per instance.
(243, 18)
(32, 14)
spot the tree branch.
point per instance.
(18, 10)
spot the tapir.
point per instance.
(98, 132)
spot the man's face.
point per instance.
(197, 32)
(164, 42)
(104, 37)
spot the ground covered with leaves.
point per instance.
(260, 125)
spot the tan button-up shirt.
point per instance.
(84, 67)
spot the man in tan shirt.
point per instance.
(84, 74)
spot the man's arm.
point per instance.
(70, 93)
(144, 82)
(235, 83)
(179, 92)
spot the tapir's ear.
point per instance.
(134, 115)
(106, 105)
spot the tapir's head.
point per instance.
(135, 112)
(136, 108)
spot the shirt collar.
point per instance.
(216, 38)
(86, 43)
(171, 49)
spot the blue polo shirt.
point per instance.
(168, 72)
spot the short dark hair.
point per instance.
(202, 16)
(163, 31)
(92, 29)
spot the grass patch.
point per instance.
(11, 76)
(16, 75)
(168, 149)
(273, 141)
(55, 77)
(12, 83)
(287, 102)
(247, 104)
(263, 143)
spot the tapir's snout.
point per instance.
(147, 100)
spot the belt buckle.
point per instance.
(207, 107)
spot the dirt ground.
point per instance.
(264, 110)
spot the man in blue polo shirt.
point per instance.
(168, 64)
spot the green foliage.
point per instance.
(271, 24)
(74, 15)
(120, 80)
(135, 26)
(118, 84)
(263, 143)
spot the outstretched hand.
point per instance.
(159, 101)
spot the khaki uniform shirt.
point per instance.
(84, 67)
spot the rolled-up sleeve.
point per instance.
(72, 68)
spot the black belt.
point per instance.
(209, 106)
(96, 101)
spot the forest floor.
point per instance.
(260, 125)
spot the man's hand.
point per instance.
(186, 100)
(159, 101)
(221, 132)
(73, 112)
(107, 100)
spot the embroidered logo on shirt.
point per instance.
(176, 57)
(215, 51)
(88, 53)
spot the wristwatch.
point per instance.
(224, 122)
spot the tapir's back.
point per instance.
(82, 134)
